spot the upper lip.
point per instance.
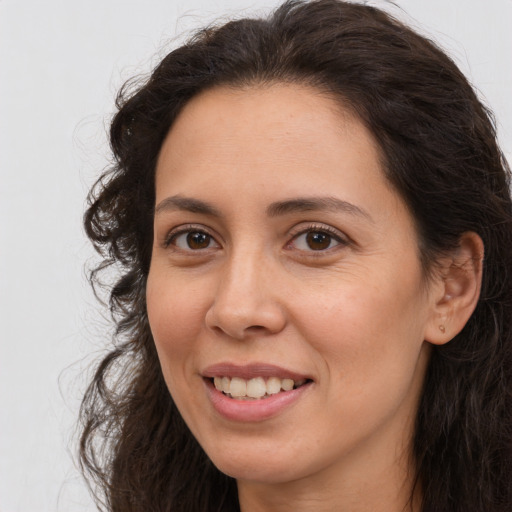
(250, 371)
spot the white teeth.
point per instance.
(226, 381)
(287, 384)
(238, 387)
(254, 388)
(273, 386)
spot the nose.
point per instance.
(246, 302)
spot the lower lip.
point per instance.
(253, 410)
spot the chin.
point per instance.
(258, 466)
(268, 475)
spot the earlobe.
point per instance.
(457, 289)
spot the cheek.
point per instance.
(176, 316)
(371, 351)
(368, 330)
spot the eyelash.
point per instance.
(333, 233)
(182, 230)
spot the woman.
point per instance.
(300, 208)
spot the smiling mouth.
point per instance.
(256, 388)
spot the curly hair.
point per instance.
(440, 153)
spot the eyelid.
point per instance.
(294, 233)
(188, 228)
(302, 229)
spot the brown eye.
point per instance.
(318, 241)
(192, 240)
(198, 240)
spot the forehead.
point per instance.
(264, 125)
(280, 139)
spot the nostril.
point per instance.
(255, 328)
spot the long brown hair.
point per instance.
(439, 152)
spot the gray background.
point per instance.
(61, 63)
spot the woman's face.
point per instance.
(282, 257)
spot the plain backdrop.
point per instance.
(61, 63)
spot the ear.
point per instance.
(456, 289)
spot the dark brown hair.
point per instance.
(439, 152)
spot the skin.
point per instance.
(353, 317)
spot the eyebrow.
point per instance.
(279, 208)
(307, 204)
(187, 204)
